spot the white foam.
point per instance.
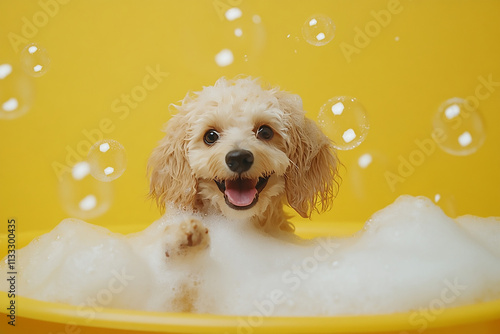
(407, 256)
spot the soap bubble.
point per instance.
(256, 19)
(16, 92)
(445, 199)
(107, 159)
(224, 58)
(233, 13)
(344, 120)
(365, 160)
(242, 37)
(293, 42)
(458, 128)
(35, 60)
(368, 176)
(81, 195)
(318, 30)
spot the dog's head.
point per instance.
(240, 148)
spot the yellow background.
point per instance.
(100, 50)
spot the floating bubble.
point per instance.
(88, 203)
(81, 195)
(365, 160)
(35, 60)
(16, 92)
(5, 70)
(344, 120)
(224, 58)
(107, 159)
(458, 128)
(240, 38)
(233, 13)
(293, 42)
(318, 30)
(243, 37)
(445, 199)
(367, 176)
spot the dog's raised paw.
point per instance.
(195, 233)
(189, 236)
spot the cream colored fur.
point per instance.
(300, 158)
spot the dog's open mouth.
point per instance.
(242, 194)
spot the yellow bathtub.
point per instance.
(110, 70)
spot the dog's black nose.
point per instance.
(239, 161)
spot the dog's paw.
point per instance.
(189, 236)
(194, 234)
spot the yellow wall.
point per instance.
(100, 50)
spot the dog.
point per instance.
(243, 150)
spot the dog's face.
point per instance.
(237, 150)
(240, 148)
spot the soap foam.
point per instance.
(408, 255)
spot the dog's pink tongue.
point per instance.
(241, 192)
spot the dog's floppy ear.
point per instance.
(310, 181)
(172, 179)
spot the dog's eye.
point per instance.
(265, 133)
(210, 137)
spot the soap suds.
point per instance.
(407, 255)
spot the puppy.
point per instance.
(244, 151)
